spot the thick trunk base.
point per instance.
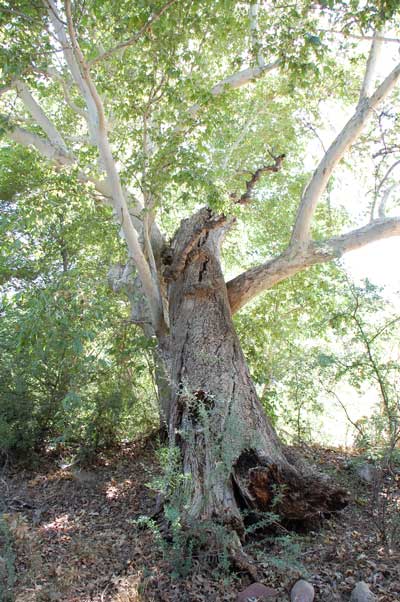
(231, 457)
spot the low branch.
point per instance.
(56, 154)
(254, 281)
(321, 176)
(123, 45)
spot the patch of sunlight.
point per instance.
(59, 524)
(115, 489)
(129, 589)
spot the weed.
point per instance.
(7, 560)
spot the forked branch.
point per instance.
(79, 70)
(40, 116)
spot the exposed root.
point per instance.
(241, 560)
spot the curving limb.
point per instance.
(349, 134)
(254, 281)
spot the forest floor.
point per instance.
(71, 535)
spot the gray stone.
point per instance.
(362, 593)
(302, 591)
(367, 472)
(257, 592)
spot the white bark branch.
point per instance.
(254, 281)
(242, 78)
(73, 65)
(384, 200)
(367, 86)
(121, 208)
(255, 42)
(56, 154)
(321, 176)
(237, 80)
(40, 116)
(382, 204)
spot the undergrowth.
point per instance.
(7, 560)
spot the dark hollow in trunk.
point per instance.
(230, 451)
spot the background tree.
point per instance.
(137, 105)
(367, 328)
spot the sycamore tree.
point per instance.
(191, 121)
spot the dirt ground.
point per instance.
(71, 535)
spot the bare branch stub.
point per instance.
(247, 196)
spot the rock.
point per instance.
(302, 591)
(257, 592)
(367, 472)
(362, 593)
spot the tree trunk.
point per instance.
(230, 451)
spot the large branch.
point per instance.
(40, 116)
(73, 65)
(348, 135)
(370, 69)
(254, 281)
(122, 213)
(57, 156)
(60, 159)
(255, 42)
(45, 147)
(53, 147)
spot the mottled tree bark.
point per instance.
(229, 448)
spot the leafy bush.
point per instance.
(72, 370)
